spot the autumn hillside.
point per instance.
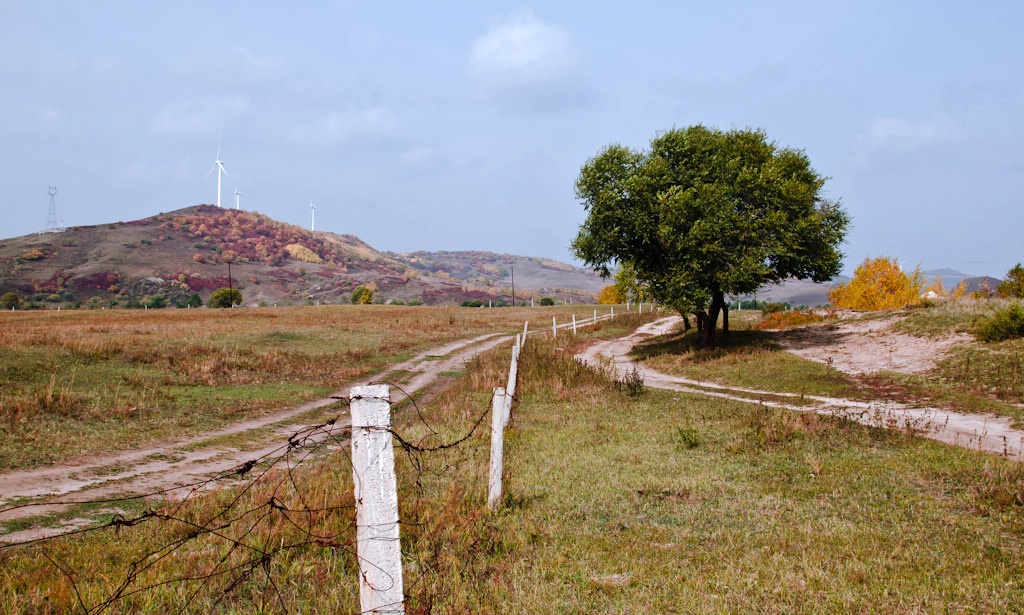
(175, 255)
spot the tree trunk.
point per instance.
(686, 323)
(725, 321)
(704, 329)
(710, 319)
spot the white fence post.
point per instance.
(641, 311)
(574, 324)
(595, 317)
(526, 327)
(613, 311)
(510, 390)
(497, 444)
(376, 490)
(554, 327)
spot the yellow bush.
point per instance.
(302, 253)
(879, 284)
(611, 295)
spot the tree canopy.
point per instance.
(706, 213)
(1013, 285)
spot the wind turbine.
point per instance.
(312, 216)
(219, 165)
(237, 194)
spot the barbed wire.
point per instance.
(266, 493)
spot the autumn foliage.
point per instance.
(611, 295)
(879, 284)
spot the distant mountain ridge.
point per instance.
(187, 251)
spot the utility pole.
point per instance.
(513, 268)
(229, 278)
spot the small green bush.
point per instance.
(547, 301)
(1005, 324)
(772, 308)
(225, 298)
(362, 296)
(9, 300)
(416, 301)
(1013, 285)
(472, 303)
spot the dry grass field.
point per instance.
(80, 382)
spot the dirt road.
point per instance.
(982, 432)
(184, 462)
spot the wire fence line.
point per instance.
(249, 520)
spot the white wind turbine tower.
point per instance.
(219, 165)
(237, 194)
(312, 216)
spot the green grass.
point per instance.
(748, 359)
(942, 318)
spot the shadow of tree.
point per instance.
(743, 342)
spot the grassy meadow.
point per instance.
(76, 383)
(663, 502)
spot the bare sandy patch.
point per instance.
(868, 346)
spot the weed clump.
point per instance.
(687, 438)
(632, 383)
(1005, 324)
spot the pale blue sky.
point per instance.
(428, 126)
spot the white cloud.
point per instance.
(203, 118)
(900, 135)
(523, 51)
(351, 125)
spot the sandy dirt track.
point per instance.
(982, 432)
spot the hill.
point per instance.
(174, 255)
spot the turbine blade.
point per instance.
(211, 170)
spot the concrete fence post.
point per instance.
(595, 317)
(526, 327)
(574, 324)
(376, 490)
(497, 444)
(554, 327)
(613, 312)
(641, 311)
(510, 390)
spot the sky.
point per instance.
(463, 126)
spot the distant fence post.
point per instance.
(641, 310)
(497, 444)
(595, 317)
(613, 311)
(574, 324)
(376, 490)
(554, 327)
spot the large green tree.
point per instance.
(708, 213)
